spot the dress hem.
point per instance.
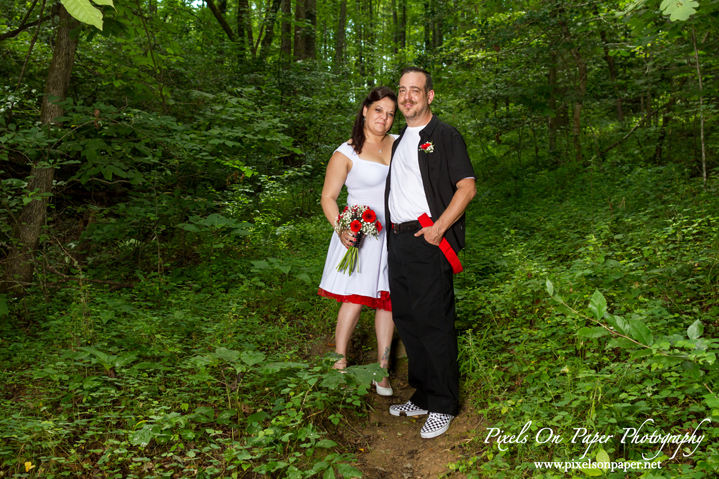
(383, 302)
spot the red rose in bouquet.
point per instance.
(362, 221)
(369, 216)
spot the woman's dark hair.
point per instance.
(377, 94)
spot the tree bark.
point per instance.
(244, 28)
(427, 26)
(553, 119)
(579, 93)
(310, 32)
(370, 44)
(221, 20)
(612, 75)
(403, 24)
(269, 28)
(299, 50)
(286, 31)
(438, 18)
(340, 45)
(19, 263)
(395, 27)
(360, 38)
(701, 109)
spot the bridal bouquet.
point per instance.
(362, 221)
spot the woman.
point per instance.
(362, 164)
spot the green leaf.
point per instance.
(83, 11)
(348, 471)
(711, 400)
(618, 323)
(695, 330)
(125, 358)
(107, 3)
(204, 414)
(640, 332)
(326, 443)
(550, 288)
(189, 227)
(621, 343)
(142, 437)
(103, 358)
(603, 457)
(692, 369)
(591, 472)
(252, 357)
(329, 473)
(260, 264)
(271, 368)
(597, 332)
(258, 417)
(679, 9)
(229, 355)
(598, 305)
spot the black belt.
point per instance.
(408, 227)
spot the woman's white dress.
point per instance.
(370, 285)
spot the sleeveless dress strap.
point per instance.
(347, 150)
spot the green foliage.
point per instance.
(179, 380)
(629, 331)
(83, 11)
(187, 180)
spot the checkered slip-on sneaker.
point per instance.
(436, 425)
(408, 408)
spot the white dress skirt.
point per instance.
(370, 285)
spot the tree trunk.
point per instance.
(579, 94)
(370, 44)
(438, 31)
(311, 31)
(269, 28)
(286, 31)
(299, 30)
(427, 26)
(244, 27)
(340, 45)
(360, 38)
(701, 109)
(221, 20)
(19, 263)
(553, 119)
(395, 28)
(403, 24)
(613, 76)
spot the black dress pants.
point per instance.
(422, 294)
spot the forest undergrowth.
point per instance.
(590, 311)
(202, 370)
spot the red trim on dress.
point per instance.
(383, 302)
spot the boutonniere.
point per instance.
(427, 147)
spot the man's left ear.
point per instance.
(430, 97)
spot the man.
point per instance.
(430, 174)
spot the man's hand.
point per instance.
(466, 189)
(432, 234)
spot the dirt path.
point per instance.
(390, 447)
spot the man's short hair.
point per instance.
(427, 76)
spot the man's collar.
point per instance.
(428, 128)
